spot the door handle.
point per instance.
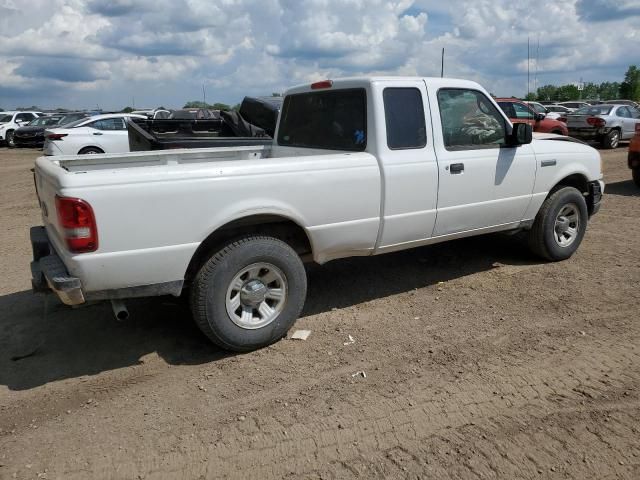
(456, 168)
(97, 133)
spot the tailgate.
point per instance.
(46, 177)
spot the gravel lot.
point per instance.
(481, 362)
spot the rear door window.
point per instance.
(331, 120)
(404, 117)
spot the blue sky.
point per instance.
(112, 53)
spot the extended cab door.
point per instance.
(483, 183)
(404, 147)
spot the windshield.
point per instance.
(332, 120)
(538, 108)
(73, 118)
(5, 118)
(594, 110)
(42, 121)
(75, 124)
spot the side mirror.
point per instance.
(540, 116)
(521, 134)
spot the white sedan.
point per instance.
(97, 134)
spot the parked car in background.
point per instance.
(11, 121)
(98, 134)
(629, 103)
(32, 135)
(195, 114)
(557, 112)
(153, 113)
(519, 112)
(573, 105)
(607, 124)
(634, 156)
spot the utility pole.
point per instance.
(535, 77)
(204, 96)
(442, 64)
(528, 65)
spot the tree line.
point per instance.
(628, 89)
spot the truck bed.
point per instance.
(87, 163)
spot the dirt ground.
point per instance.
(481, 362)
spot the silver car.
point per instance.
(607, 124)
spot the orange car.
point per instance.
(634, 156)
(520, 112)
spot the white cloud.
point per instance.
(163, 51)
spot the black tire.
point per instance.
(212, 284)
(90, 151)
(611, 139)
(635, 173)
(542, 236)
(11, 143)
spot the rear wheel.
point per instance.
(249, 294)
(560, 225)
(636, 176)
(11, 143)
(611, 139)
(90, 151)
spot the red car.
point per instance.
(520, 112)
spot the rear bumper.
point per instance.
(588, 133)
(48, 273)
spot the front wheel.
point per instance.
(635, 173)
(560, 225)
(611, 139)
(11, 143)
(249, 294)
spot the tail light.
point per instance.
(596, 121)
(322, 84)
(562, 119)
(78, 224)
(56, 136)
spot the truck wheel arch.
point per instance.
(276, 226)
(576, 180)
(580, 183)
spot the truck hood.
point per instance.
(553, 136)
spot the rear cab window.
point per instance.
(330, 120)
(404, 118)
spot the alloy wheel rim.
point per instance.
(567, 225)
(256, 295)
(615, 139)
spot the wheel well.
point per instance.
(576, 180)
(579, 182)
(273, 225)
(84, 149)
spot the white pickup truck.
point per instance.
(359, 166)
